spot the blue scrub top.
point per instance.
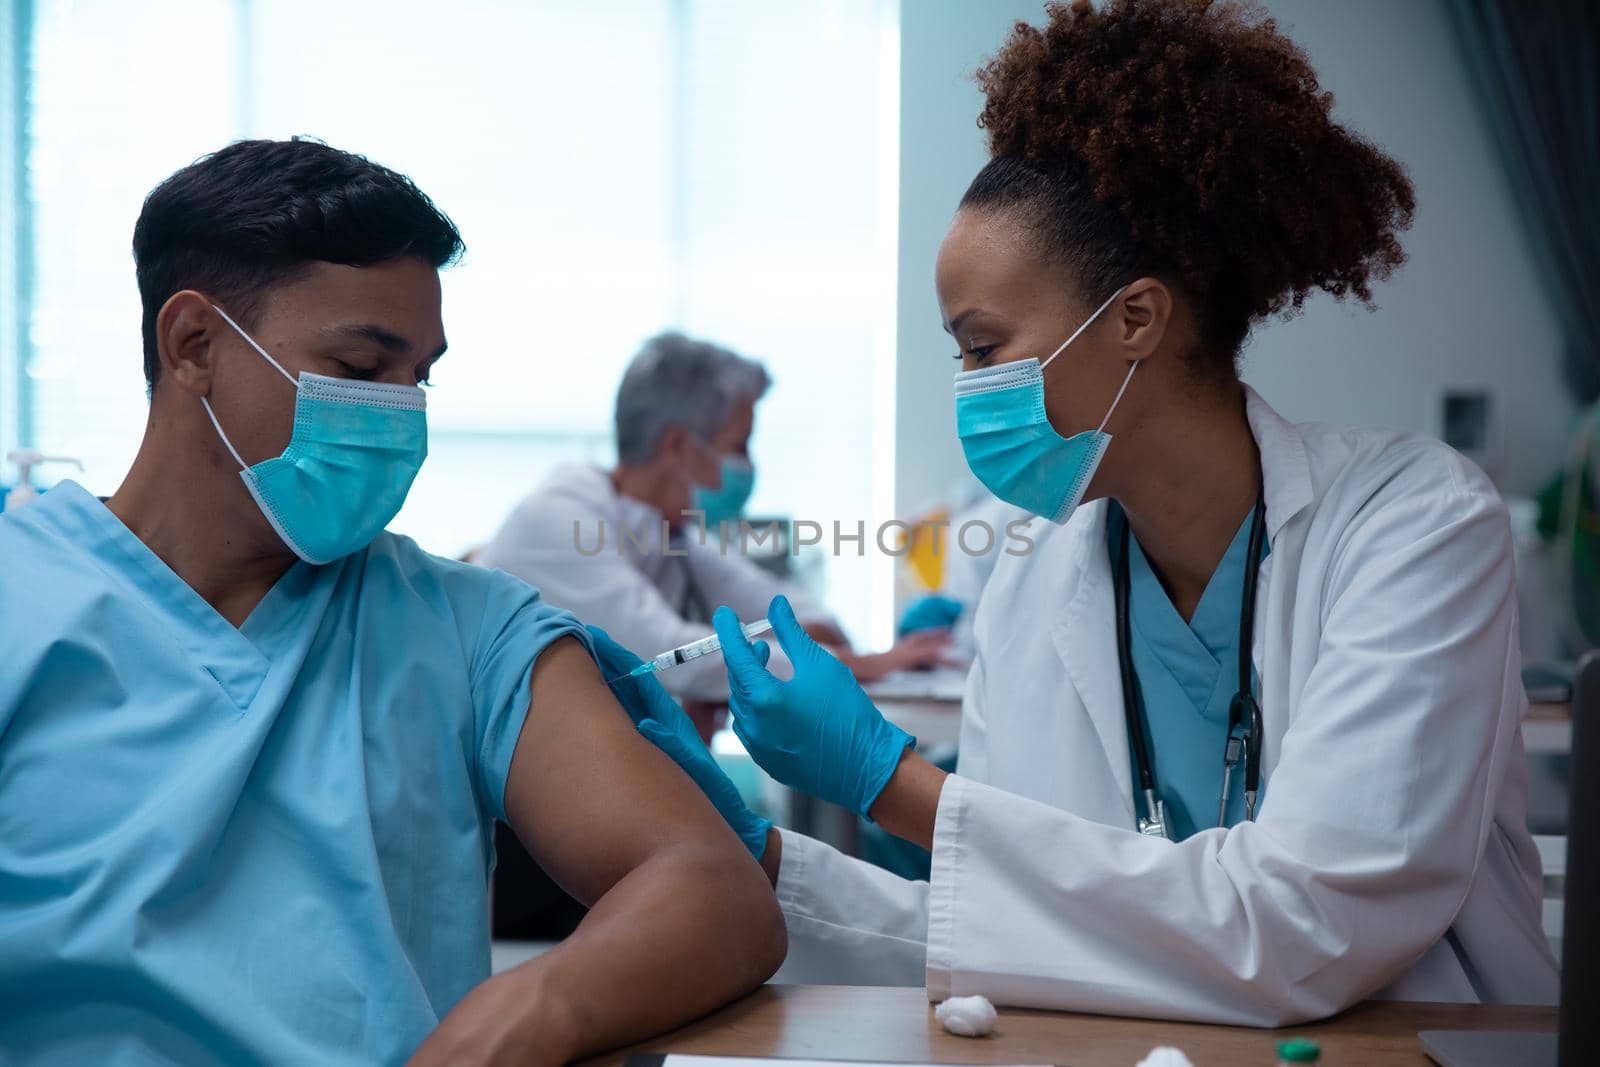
(1188, 673)
(263, 844)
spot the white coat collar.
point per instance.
(1084, 632)
(1085, 639)
(1285, 471)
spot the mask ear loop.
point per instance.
(1086, 324)
(205, 402)
(251, 341)
(1102, 427)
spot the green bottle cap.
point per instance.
(1299, 1050)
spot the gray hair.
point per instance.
(678, 381)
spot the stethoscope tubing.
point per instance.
(1244, 711)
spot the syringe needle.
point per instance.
(638, 672)
(691, 651)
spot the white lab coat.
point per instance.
(966, 573)
(647, 594)
(1390, 856)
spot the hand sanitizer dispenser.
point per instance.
(26, 459)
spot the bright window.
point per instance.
(616, 168)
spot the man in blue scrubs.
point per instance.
(252, 748)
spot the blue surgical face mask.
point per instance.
(355, 449)
(1009, 442)
(727, 503)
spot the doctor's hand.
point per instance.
(817, 732)
(918, 651)
(669, 728)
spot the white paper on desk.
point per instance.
(674, 1060)
(943, 684)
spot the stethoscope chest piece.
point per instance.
(1154, 822)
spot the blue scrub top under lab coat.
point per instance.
(1188, 673)
(263, 844)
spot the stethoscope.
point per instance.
(1244, 713)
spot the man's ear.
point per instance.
(674, 443)
(1142, 315)
(186, 336)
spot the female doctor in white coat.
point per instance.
(1144, 821)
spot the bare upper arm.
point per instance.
(587, 795)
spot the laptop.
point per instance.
(1578, 1039)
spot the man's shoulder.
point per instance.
(574, 498)
(415, 583)
(398, 560)
(489, 612)
(580, 489)
(37, 561)
(17, 541)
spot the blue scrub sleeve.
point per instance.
(517, 627)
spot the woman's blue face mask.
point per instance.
(1009, 442)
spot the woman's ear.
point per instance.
(1142, 315)
(186, 334)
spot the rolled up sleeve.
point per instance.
(517, 627)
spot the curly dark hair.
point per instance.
(1187, 140)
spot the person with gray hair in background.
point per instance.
(620, 550)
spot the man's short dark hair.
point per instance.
(260, 213)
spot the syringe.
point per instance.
(693, 650)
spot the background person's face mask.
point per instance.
(727, 503)
(355, 449)
(1009, 442)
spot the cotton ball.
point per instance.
(1165, 1056)
(966, 1016)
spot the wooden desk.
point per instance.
(877, 1023)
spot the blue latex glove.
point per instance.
(663, 722)
(930, 613)
(817, 732)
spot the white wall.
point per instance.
(1465, 310)
(941, 149)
